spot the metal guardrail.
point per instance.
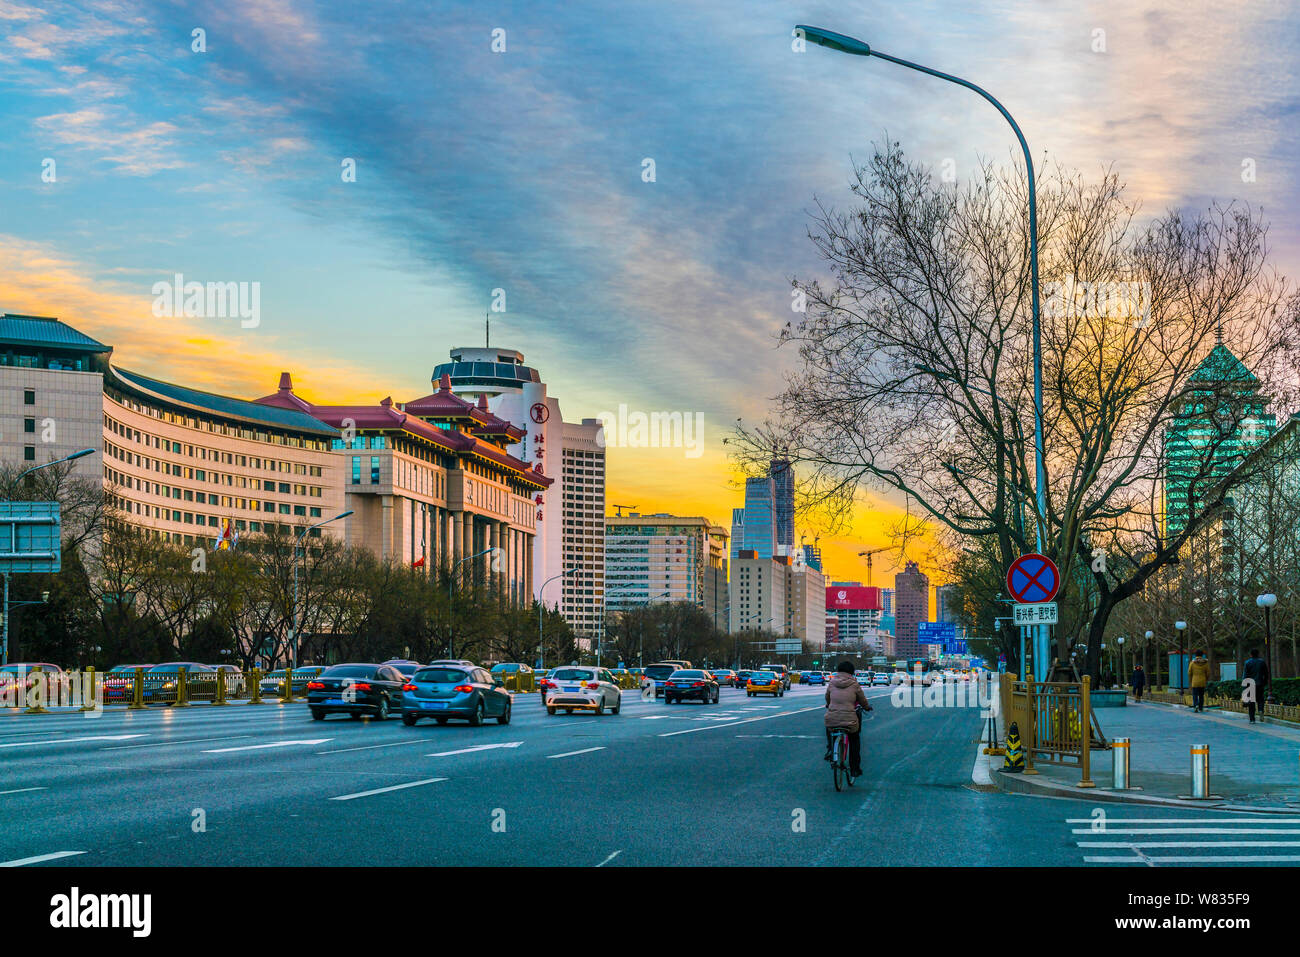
(1055, 720)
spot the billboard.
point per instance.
(853, 598)
(29, 537)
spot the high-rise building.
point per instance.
(757, 589)
(947, 603)
(887, 601)
(666, 558)
(753, 528)
(571, 513)
(812, 556)
(857, 610)
(911, 607)
(805, 597)
(782, 476)
(1197, 455)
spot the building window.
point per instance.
(29, 453)
(29, 396)
(374, 470)
(356, 470)
(29, 425)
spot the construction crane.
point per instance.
(868, 554)
(620, 508)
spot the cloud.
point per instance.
(139, 151)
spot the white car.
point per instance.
(583, 688)
(234, 680)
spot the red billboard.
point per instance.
(853, 598)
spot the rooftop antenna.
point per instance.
(487, 330)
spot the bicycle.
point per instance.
(840, 752)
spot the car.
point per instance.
(272, 682)
(162, 680)
(898, 677)
(16, 678)
(781, 671)
(765, 682)
(864, 679)
(119, 681)
(511, 668)
(725, 676)
(659, 673)
(544, 682)
(880, 678)
(356, 688)
(405, 665)
(742, 678)
(690, 683)
(814, 678)
(675, 661)
(443, 692)
(234, 679)
(583, 688)
(460, 662)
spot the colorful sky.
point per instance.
(522, 170)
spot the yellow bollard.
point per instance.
(89, 705)
(182, 688)
(286, 697)
(37, 708)
(137, 692)
(221, 688)
(256, 697)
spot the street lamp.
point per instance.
(1182, 665)
(541, 655)
(451, 599)
(1267, 601)
(302, 534)
(1148, 636)
(1120, 642)
(846, 44)
(4, 614)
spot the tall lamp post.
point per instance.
(302, 534)
(1123, 675)
(4, 639)
(541, 655)
(451, 600)
(1149, 635)
(1181, 626)
(845, 44)
(1267, 601)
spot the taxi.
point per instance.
(765, 682)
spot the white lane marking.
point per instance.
(259, 747)
(395, 787)
(569, 754)
(1292, 819)
(40, 857)
(96, 737)
(371, 747)
(1136, 844)
(654, 717)
(172, 744)
(610, 858)
(732, 724)
(481, 747)
(806, 737)
(1186, 830)
(22, 790)
(1195, 859)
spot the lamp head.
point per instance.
(834, 41)
(1180, 625)
(1150, 635)
(1266, 600)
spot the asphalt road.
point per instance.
(741, 782)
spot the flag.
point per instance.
(228, 537)
(418, 563)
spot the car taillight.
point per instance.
(361, 686)
(315, 685)
(697, 684)
(671, 685)
(463, 689)
(408, 687)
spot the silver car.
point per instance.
(583, 689)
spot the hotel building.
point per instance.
(666, 558)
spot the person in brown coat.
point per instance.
(1198, 674)
(843, 698)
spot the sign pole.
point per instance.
(4, 648)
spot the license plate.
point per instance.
(433, 705)
(335, 701)
(567, 688)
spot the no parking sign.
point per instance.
(1033, 578)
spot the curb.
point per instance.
(1036, 787)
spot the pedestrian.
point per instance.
(1199, 674)
(1139, 682)
(1254, 682)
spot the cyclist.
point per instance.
(844, 699)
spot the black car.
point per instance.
(691, 684)
(356, 689)
(742, 678)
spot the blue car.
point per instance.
(814, 678)
(451, 691)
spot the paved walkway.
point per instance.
(1255, 764)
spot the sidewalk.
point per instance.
(1250, 765)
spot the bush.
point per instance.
(1286, 690)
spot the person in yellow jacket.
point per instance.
(1198, 673)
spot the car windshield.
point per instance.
(440, 676)
(574, 674)
(349, 671)
(659, 671)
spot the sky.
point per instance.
(635, 178)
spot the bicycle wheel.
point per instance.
(837, 761)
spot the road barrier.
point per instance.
(1058, 722)
(1200, 772)
(255, 696)
(1119, 764)
(1013, 761)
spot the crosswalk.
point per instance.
(1196, 837)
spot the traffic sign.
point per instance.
(1039, 613)
(1033, 578)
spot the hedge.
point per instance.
(1286, 690)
